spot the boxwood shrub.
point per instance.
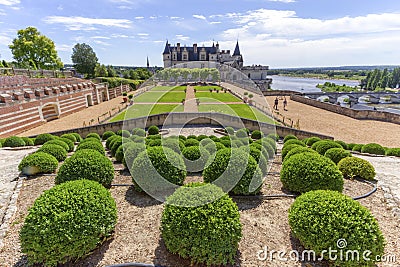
(43, 138)
(182, 137)
(77, 136)
(294, 141)
(111, 140)
(86, 164)
(195, 158)
(14, 141)
(201, 223)
(357, 168)
(123, 133)
(94, 135)
(90, 139)
(131, 152)
(350, 146)
(1, 144)
(37, 163)
(259, 157)
(241, 133)
(288, 137)
(393, 152)
(373, 148)
(55, 150)
(201, 137)
(312, 140)
(28, 141)
(70, 144)
(92, 145)
(173, 143)
(286, 149)
(155, 142)
(236, 169)
(191, 142)
(256, 134)
(153, 130)
(58, 142)
(342, 143)
(67, 223)
(107, 134)
(2, 140)
(192, 136)
(205, 142)
(212, 148)
(229, 130)
(273, 136)
(357, 147)
(154, 162)
(139, 132)
(320, 219)
(299, 150)
(70, 137)
(307, 171)
(337, 154)
(322, 146)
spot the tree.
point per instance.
(111, 71)
(100, 70)
(84, 59)
(34, 50)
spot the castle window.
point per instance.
(203, 57)
(174, 56)
(185, 57)
(202, 65)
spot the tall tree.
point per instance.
(34, 50)
(84, 59)
(111, 71)
(100, 70)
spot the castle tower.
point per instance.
(237, 55)
(167, 56)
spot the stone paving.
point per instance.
(190, 101)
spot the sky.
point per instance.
(277, 33)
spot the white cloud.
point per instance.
(215, 22)
(9, 2)
(119, 36)
(100, 37)
(181, 37)
(5, 40)
(2, 12)
(199, 17)
(143, 34)
(64, 47)
(101, 43)
(82, 23)
(174, 18)
(139, 17)
(125, 7)
(60, 8)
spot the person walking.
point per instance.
(276, 103)
(284, 104)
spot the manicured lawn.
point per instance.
(141, 110)
(169, 88)
(241, 110)
(216, 97)
(163, 97)
(206, 88)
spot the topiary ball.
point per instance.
(69, 143)
(337, 154)
(306, 172)
(259, 157)
(195, 158)
(124, 133)
(289, 137)
(393, 152)
(241, 133)
(153, 130)
(191, 142)
(37, 163)
(357, 147)
(211, 223)
(155, 142)
(67, 223)
(373, 148)
(70, 137)
(322, 146)
(299, 150)
(55, 150)
(343, 144)
(256, 134)
(154, 162)
(43, 138)
(236, 171)
(173, 143)
(212, 148)
(59, 143)
(356, 168)
(139, 132)
(86, 164)
(77, 136)
(111, 140)
(14, 141)
(229, 130)
(107, 135)
(273, 136)
(286, 149)
(94, 135)
(295, 142)
(201, 137)
(28, 141)
(92, 145)
(312, 140)
(131, 152)
(327, 220)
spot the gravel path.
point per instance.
(190, 101)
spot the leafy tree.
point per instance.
(34, 50)
(84, 59)
(100, 70)
(111, 71)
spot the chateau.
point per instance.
(205, 57)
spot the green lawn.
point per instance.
(140, 110)
(216, 97)
(206, 88)
(169, 88)
(241, 110)
(163, 97)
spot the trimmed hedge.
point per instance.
(273, 136)
(37, 163)
(139, 132)
(191, 142)
(90, 139)
(256, 134)
(294, 142)
(299, 150)
(259, 157)
(86, 164)
(67, 223)
(77, 136)
(212, 148)
(155, 142)
(337, 154)
(393, 152)
(357, 147)
(320, 219)
(242, 133)
(70, 144)
(354, 167)
(286, 149)
(110, 140)
(43, 138)
(236, 171)
(342, 143)
(14, 141)
(59, 143)
(28, 141)
(322, 146)
(195, 158)
(153, 130)
(307, 171)
(229, 130)
(312, 140)
(289, 137)
(201, 137)
(92, 145)
(55, 150)
(373, 148)
(93, 135)
(123, 133)
(173, 143)
(70, 137)
(107, 134)
(131, 152)
(202, 223)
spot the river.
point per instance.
(305, 85)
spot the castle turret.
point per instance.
(238, 56)
(167, 55)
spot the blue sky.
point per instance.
(278, 33)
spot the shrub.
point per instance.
(70, 137)
(139, 132)
(124, 133)
(28, 141)
(226, 143)
(153, 130)
(119, 154)
(393, 152)
(59, 143)
(55, 150)
(259, 157)
(107, 134)
(246, 141)
(229, 130)
(77, 136)
(131, 152)
(156, 142)
(182, 137)
(312, 140)
(286, 150)
(211, 223)
(90, 139)
(137, 139)
(214, 138)
(342, 143)
(235, 167)
(173, 143)
(191, 142)
(115, 145)
(205, 142)
(153, 137)
(2, 141)
(256, 134)
(86, 164)
(192, 136)
(195, 158)
(273, 136)
(38, 162)
(357, 147)
(306, 172)
(337, 154)
(155, 162)
(298, 150)
(92, 145)
(43, 138)
(323, 146)
(68, 222)
(356, 168)
(350, 146)
(319, 219)
(14, 141)
(212, 148)
(111, 140)
(70, 144)
(373, 148)
(236, 143)
(294, 141)
(288, 137)
(201, 137)
(1, 144)
(242, 133)
(94, 135)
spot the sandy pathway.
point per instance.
(190, 101)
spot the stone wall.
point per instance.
(355, 114)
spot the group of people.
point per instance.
(276, 103)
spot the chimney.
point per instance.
(195, 48)
(228, 52)
(217, 46)
(178, 47)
